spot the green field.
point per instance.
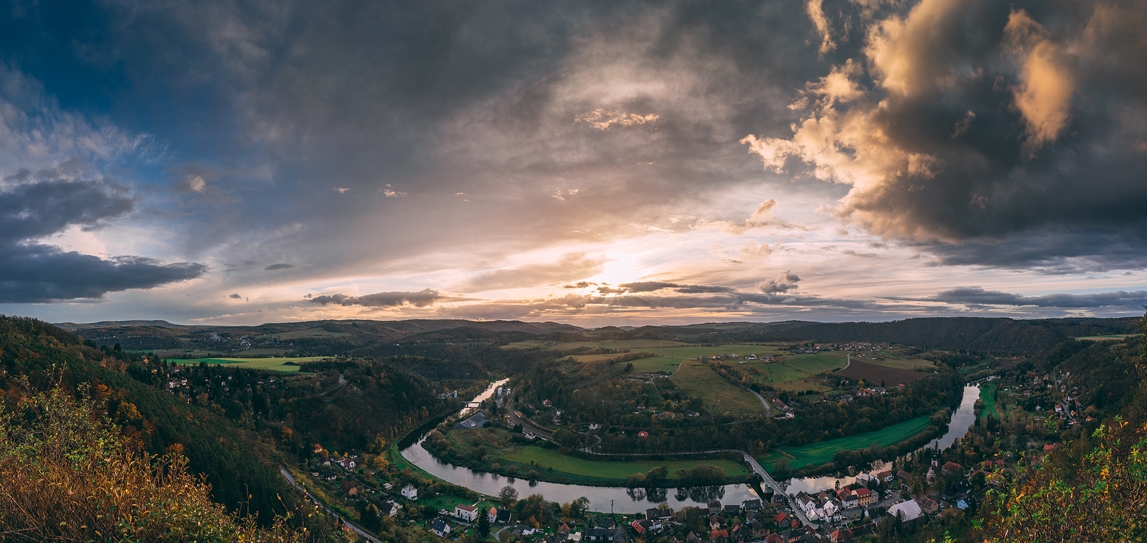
(613, 469)
(719, 350)
(988, 397)
(793, 372)
(589, 358)
(901, 363)
(266, 364)
(449, 501)
(656, 364)
(698, 380)
(1107, 337)
(821, 452)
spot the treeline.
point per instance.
(342, 405)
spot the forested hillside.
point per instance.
(984, 335)
(233, 426)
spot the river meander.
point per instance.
(626, 500)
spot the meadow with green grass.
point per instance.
(539, 459)
(988, 397)
(656, 364)
(289, 364)
(697, 379)
(1106, 337)
(822, 452)
(502, 454)
(695, 351)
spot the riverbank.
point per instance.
(501, 452)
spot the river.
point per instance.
(962, 420)
(626, 500)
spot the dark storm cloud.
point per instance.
(32, 272)
(41, 208)
(968, 124)
(39, 273)
(1053, 250)
(422, 298)
(280, 266)
(978, 296)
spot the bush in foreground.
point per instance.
(68, 474)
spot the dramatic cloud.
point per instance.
(1044, 93)
(972, 130)
(382, 299)
(978, 296)
(815, 10)
(783, 283)
(31, 272)
(574, 162)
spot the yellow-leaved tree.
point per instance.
(68, 474)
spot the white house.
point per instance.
(465, 512)
(441, 527)
(909, 510)
(410, 493)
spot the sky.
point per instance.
(595, 163)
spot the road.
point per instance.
(350, 525)
(846, 364)
(768, 408)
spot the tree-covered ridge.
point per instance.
(69, 474)
(1094, 488)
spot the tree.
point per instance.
(69, 474)
(370, 517)
(483, 523)
(508, 495)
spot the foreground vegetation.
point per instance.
(68, 473)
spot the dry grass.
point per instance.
(68, 474)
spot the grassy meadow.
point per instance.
(987, 395)
(266, 364)
(538, 458)
(822, 452)
(697, 379)
(513, 459)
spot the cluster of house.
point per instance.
(727, 523)
(852, 346)
(469, 514)
(828, 506)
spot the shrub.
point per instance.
(69, 474)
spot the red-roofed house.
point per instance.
(865, 497)
(839, 535)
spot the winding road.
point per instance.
(350, 525)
